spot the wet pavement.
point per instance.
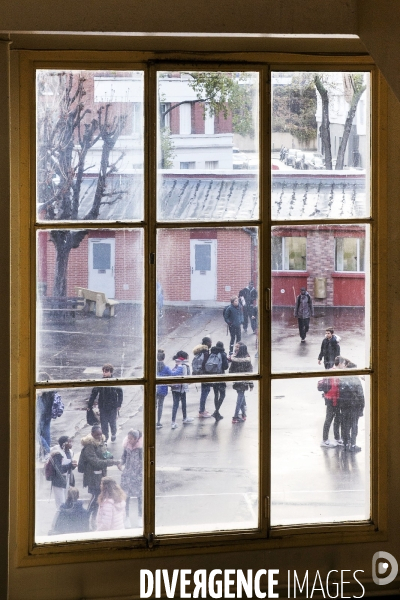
(207, 472)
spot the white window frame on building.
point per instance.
(285, 250)
(359, 254)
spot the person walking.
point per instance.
(303, 310)
(246, 299)
(161, 390)
(352, 403)
(132, 471)
(61, 457)
(93, 463)
(330, 348)
(219, 388)
(233, 317)
(179, 390)
(110, 516)
(201, 353)
(241, 363)
(109, 400)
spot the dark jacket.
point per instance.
(234, 316)
(304, 310)
(330, 349)
(202, 349)
(45, 405)
(109, 398)
(241, 365)
(91, 460)
(60, 471)
(248, 294)
(162, 371)
(351, 395)
(71, 518)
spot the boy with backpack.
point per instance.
(216, 364)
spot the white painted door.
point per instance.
(102, 266)
(203, 266)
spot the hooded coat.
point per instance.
(92, 463)
(205, 350)
(110, 515)
(330, 349)
(132, 475)
(241, 365)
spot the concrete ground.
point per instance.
(207, 472)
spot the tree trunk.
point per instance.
(347, 128)
(325, 124)
(63, 241)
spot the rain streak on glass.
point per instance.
(89, 303)
(320, 280)
(320, 450)
(71, 460)
(320, 145)
(208, 153)
(89, 143)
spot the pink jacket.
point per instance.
(110, 515)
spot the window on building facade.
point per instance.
(163, 283)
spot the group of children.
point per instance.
(238, 362)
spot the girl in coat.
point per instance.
(132, 471)
(161, 390)
(111, 501)
(181, 369)
(241, 363)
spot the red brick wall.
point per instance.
(197, 117)
(233, 262)
(174, 120)
(222, 125)
(173, 263)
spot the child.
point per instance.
(111, 501)
(219, 388)
(241, 363)
(179, 390)
(161, 390)
(132, 473)
(71, 517)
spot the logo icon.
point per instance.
(381, 561)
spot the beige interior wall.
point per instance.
(379, 31)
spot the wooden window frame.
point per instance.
(23, 278)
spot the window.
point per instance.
(289, 253)
(350, 254)
(158, 258)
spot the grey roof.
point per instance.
(232, 195)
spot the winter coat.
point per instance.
(44, 406)
(330, 349)
(304, 307)
(92, 463)
(241, 365)
(351, 394)
(132, 475)
(202, 349)
(71, 519)
(162, 371)
(332, 395)
(181, 369)
(234, 315)
(109, 398)
(110, 515)
(224, 358)
(248, 294)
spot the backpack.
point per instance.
(214, 364)
(324, 385)
(225, 313)
(49, 469)
(58, 407)
(197, 364)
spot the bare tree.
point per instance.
(65, 134)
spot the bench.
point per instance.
(96, 301)
(61, 306)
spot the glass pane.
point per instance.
(206, 469)
(333, 296)
(320, 145)
(72, 458)
(89, 303)
(207, 287)
(313, 481)
(89, 145)
(208, 153)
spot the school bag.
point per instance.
(197, 364)
(57, 408)
(214, 363)
(225, 313)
